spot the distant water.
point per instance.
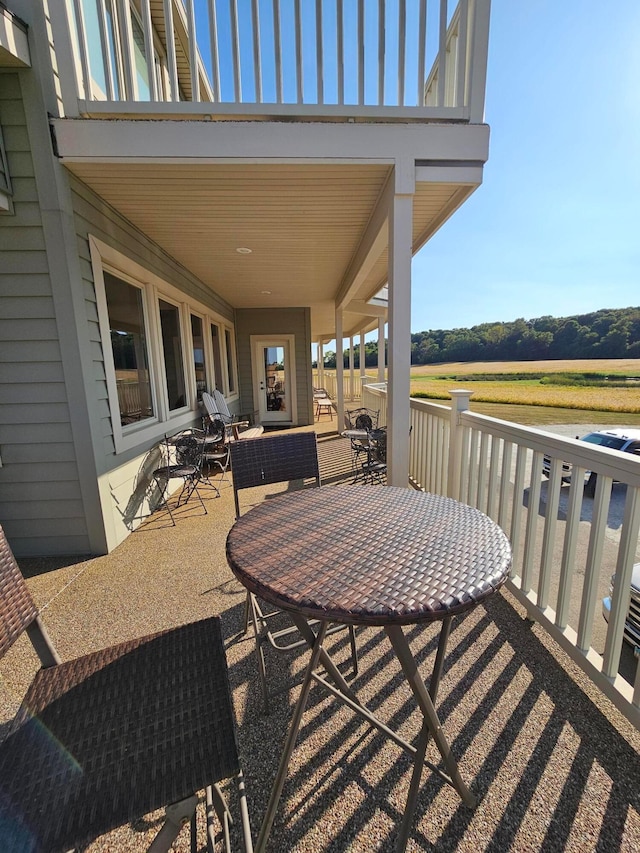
(542, 415)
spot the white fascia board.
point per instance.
(14, 44)
(81, 140)
(462, 173)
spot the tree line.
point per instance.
(607, 333)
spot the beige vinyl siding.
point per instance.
(41, 506)
(273, 322)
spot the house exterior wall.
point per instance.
(41, 501)
(63, 488)
(124, 479)
(274, 322)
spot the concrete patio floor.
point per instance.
(553, 764)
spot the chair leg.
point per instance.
(162, 487)
(354, 650)
(177, 814)
(262, 670)
(247, 605)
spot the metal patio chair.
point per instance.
(358, 424)
(182, 461)
(107, 738)
(261, 462)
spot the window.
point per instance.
(129, 348)
(217, 358)
(173, 359)
(229, 352)
(160, 350)
(197, 345)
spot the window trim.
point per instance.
(154, 288)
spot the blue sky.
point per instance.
(555, 227)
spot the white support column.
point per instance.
(351, 368)
(339, 369)
(320, 364)
(363, 366)
(400, 251)
(381, 349)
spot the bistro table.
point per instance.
(386, 557)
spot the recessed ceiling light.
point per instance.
(266, 292)
(243, 250)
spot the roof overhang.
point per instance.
(311, 201)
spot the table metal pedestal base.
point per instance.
(431, 726)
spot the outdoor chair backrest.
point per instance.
(274, 459)
(362, 418)
(17, 609)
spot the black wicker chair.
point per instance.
(109, 737)
(260, 462)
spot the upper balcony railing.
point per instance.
(331, 59)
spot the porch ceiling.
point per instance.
(304, 223)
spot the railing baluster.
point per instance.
(277, 46)
(483, 460)
(461, 59)
(235, 48)
(128, 56)
(84, 50)
(622, 584)
(381, 50)
(442, 53)
(422, 50)
(170, 48)
(594, 558)
(320, 56)
(472, 491)
(549, 532)
(106, 53)
(567, 565)
(532, 521)
(505, 481)
(298, 41)
(360, 30)
(149, 53)
(493, 476)
(516, 513)
(402, 35)
(340, 50)
(215, 49)
(463, 486)
(257, 57)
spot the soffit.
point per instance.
(303, 223)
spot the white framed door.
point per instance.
(274, 372)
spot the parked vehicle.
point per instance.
(626, 440)
(632, 623)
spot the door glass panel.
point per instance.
(275, 379)
(172, 348)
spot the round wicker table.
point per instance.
(385, 557)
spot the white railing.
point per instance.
(352, 385)
(566, 545)
(335, 57)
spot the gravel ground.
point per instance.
(553, 764)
